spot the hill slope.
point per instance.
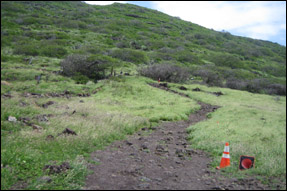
(137, 35)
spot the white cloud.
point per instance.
(103, 2)
(263, 32)
(259, 20)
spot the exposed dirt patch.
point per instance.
(6, 95)
(164, 86)
(56, 169)
(214, 93)
(196, 90)
(67, 131)
(65, 94)
(217, 93)
(46, 105)
(182, 88)
(160, 159)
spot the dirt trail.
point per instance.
(160, 159)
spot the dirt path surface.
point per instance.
(160, 158)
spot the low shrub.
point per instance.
(209, 76)
(91, 66)
(235, 84)
(214, 79)
(277, 89)
(53, 51)
(227, 60)
(257, 85)
(80, 79)
(30, 49)
(166, 72)
(43, 48)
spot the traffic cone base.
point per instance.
(246, 162)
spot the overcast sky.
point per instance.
(264, 20)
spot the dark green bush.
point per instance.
(53, 51)
(42, 49)
(80, 79)
(30, 49)
(186, 56)
(226, 60)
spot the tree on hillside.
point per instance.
(166, 72)
(91, 66)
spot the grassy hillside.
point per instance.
(37, 36)
(133, 34)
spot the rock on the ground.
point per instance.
(12, 119)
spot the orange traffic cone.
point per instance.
(225, 159)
